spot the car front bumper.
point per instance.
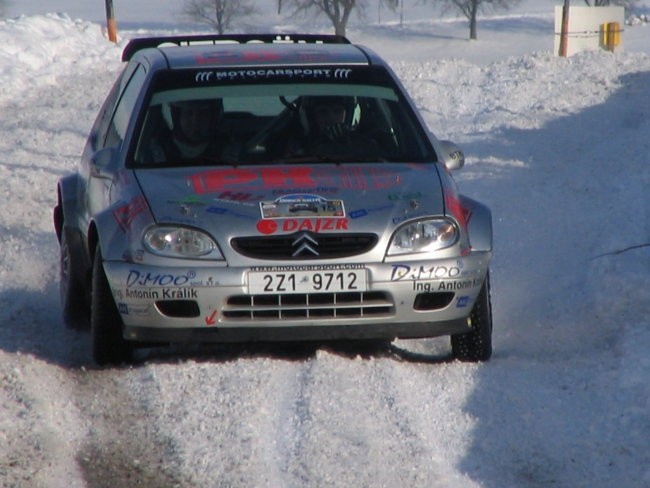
(215, 304)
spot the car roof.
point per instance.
(206, 51)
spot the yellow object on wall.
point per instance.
(610, 35)
(613, 35)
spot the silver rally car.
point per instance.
(265, 188)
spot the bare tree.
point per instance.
(393, 5)
(337, 11)
(219, 14)
(471, 9)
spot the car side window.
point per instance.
(116, 130)
(98, 132)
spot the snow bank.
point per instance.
(37, 50)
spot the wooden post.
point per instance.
(110, 21)
(564, 34)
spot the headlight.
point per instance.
(423, 236)
(180, 242)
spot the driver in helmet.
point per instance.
(327, 119)
(327, 129)
(193, 126)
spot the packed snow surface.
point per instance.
(557, 147)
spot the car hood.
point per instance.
(265, 200)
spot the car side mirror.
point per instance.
(452, 155)
(104, 163)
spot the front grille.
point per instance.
(305, 306)
(284, 247)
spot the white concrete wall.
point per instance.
(585, 27)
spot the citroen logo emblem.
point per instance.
(304, 243)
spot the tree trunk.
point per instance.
(472, 20)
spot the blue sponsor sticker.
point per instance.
(358, 213)
(217, 210)
(363, 212)
(462, 302)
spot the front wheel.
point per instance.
(476, 345)
(73, 294)
(108, 344)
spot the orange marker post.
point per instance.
(564, 34)
(110, 21)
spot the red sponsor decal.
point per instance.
(456, 208)
(239, 196)
(355, 178)
(252, 56)
(453, 202)
(266, 226)
(225, 56)
(461, 213)
(127, 213)
(219, 180)
(211, 319)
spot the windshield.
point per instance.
(267, 121)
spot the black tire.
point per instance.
(74, 305)
(108, 344)
(476, 345)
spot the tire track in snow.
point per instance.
(123, 446)
(37, 433)
(100, 435)
(323, 440)
(291, 426)
(427, 402)
(328, 443)
(382, 434)
(215, 412)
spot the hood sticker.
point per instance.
(301, 205)
(364, 212)
(127, 213)
(294, 179)
(270, 226)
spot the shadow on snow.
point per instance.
(543, 405)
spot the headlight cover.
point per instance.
(423, 236)
(180, 242)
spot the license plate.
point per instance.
(307, 281)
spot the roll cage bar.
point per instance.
(138, 44)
